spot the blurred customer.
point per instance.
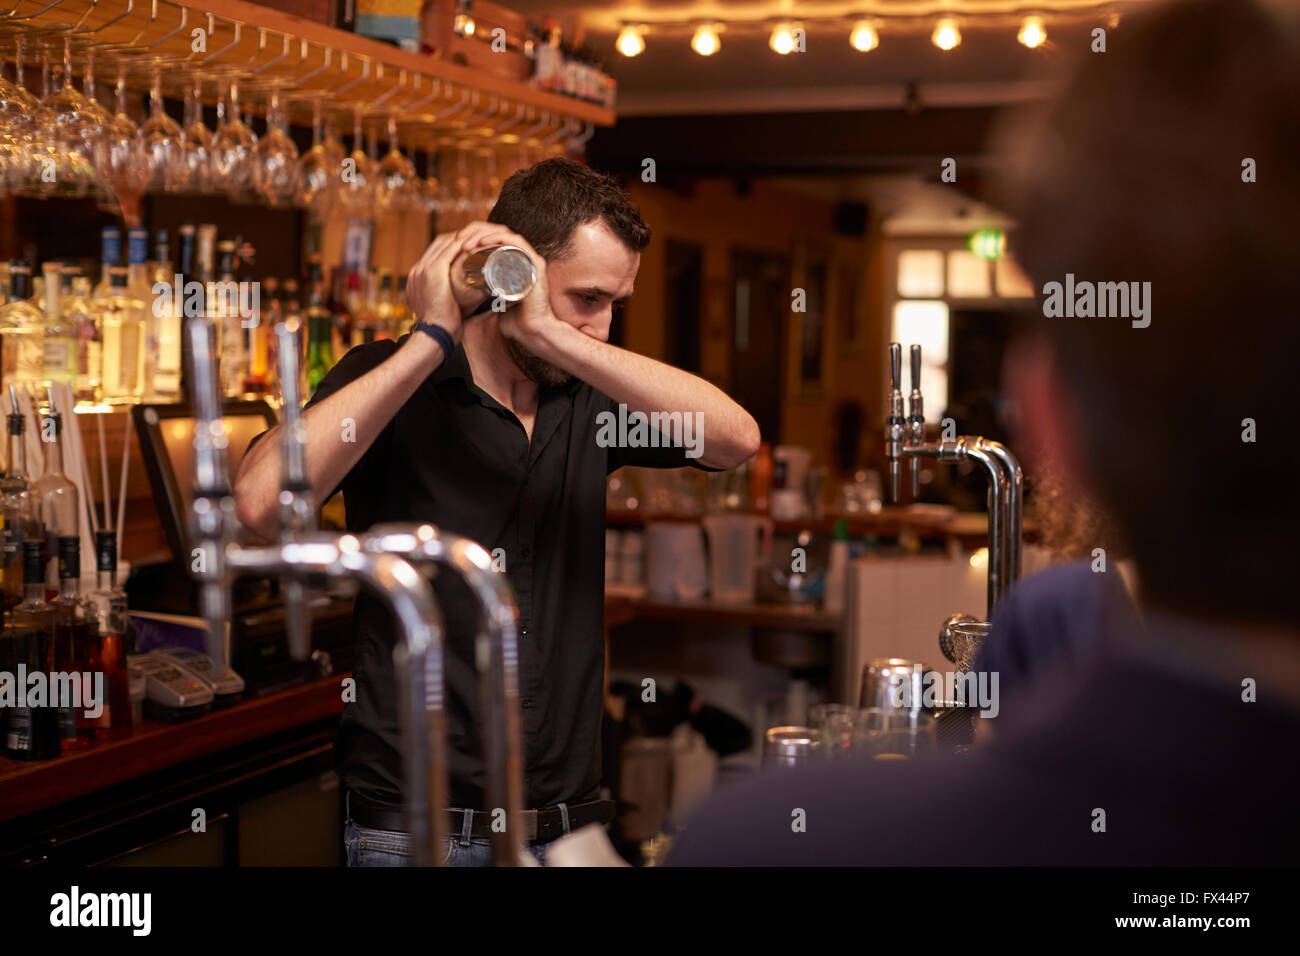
(1174, 159)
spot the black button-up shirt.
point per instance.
(455, 457)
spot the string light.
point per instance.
(946, 35)
(1032, 33)
(864, 38)
(629, 41)
(706, 42)
(782, 39)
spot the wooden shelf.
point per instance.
(431, 98)
(29, 786)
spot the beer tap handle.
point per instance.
(916, 421)
(212, 501)
(894, 422)
(297, 514)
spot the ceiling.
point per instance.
(989, 67)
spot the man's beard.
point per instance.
(539, 370)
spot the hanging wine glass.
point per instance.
(198, 142)
(277, 157)
(359, 172)
(333, 144)
(122, 159)
(395, 184)
(67, 132)
(234, 149)
(17, 125)
(162, 139)
(319, 172)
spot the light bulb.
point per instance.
(629, 42)
(863, 37)
(1032, 33)
(782, 40)
(946, 35)
(705, 42)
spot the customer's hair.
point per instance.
(546, 202)
(1135, 173)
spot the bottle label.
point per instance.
(61, 360)
(138, 246)
(18, 737)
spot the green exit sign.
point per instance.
(988, 243)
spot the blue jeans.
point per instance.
(369, 847)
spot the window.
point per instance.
(924, 323)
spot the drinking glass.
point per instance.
(395, 183)
(17, 126)
(122, 160)
(319, 172)
(277, 157)
(234, 148)
(886, 734)
(162, 139)
(834, 724)
(67, 133)
(198, 142)
(359, 174)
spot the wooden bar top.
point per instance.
(27, 786)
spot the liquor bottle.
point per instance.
(75, 305)
(76, 643)
(341, 320)
(357, 309)
(402, 317)
(225, 300)
(22, 327)
(59, 343)
(120, 317)
(27, 640)
(110, 255)
(320, 351)
(163, 326)
(257, 342)
(272, 315)
(110, 609)
(56, 497)
(191, 305)
(384, 306)
(19, 510)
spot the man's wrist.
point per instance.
(431, 342)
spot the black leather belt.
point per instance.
(540, 826)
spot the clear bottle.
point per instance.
(59, 342)
(272, 315)
(80, 308)
(110, 255)
(162, 374)
(27, 639)
(76, 642)
(56, 497)
(22, 329)
(120, 318)
(19, 511)
(224, 300)
(109, 601)
(320, 350)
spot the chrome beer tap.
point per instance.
(220, 560)
(297, 511)
(496, 655)
(895, 424)
(1004, 474)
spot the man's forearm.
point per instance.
(731, 435)
(339, 431)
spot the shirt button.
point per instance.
(527, 702)
(523, 631)
(526, 552)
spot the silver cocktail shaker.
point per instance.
(504, 272)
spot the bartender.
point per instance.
(488, 427)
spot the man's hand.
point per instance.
(433, 296)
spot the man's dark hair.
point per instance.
(546, 202)
(1138, 174)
